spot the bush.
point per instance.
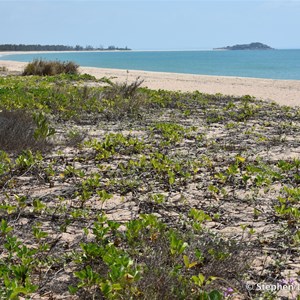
(18, 132)
(44, 68)
(124, 100)
(3, 69)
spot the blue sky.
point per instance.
(151, 25)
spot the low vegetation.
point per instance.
(3, 69)
(20, 130)
(115, 191)
(49, 68)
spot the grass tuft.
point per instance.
(123, 100)
(18, 132)
(3, 69)
(43, 68)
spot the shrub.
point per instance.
(18, 131)
(3, 69)
(123, 100)
(44, 68)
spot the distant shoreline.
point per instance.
(283, 92)
(3, 53)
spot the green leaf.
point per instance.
(210, 279)
(240, 158)
(199, 280)
(73, 289)
(215, 295)
(38, 205)
(171, 177)
(5, 229)
(186, 261)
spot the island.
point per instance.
(251, 46)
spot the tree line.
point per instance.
(23, 47)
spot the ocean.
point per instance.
(273, 64)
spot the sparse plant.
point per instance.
(75, 137)
(3, 69)
(174, 207)
(43, 129)
(122, 100)
(18, 131)
(50, 68)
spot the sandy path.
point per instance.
(284, 92)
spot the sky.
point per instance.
(151, 25)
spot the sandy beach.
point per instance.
(284, 92)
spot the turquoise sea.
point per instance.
(274, 64)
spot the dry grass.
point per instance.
(123, 100)
(3, 69)
(50, 68)
(17, 132)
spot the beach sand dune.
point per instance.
(284, 92)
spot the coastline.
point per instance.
(5, 53)
(283, 92)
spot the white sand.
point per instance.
(284, 92)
